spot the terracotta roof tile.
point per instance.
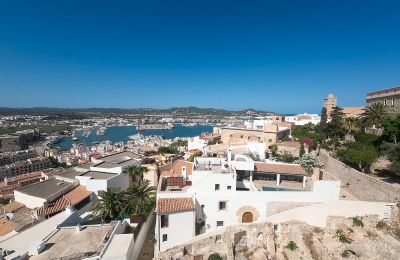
(280, 168)
(167, 205)
(71, 198)
(176, 169)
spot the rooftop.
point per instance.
(99, 175)
(175, 169)
(70, 244)
(71, 174)
(48, 189)
(281, 168)
(168, 205)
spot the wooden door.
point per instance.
(247, 217)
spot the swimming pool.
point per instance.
(265, 188)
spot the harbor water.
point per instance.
(122, 133)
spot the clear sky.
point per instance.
(282, 56)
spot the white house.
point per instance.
(303, 119)
(213, 193)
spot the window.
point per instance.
(164, 237)
(384, 102)
(222, 205)
(216, 186)
(228, 187)
(270, 140)
(393, 100)
(220, 223)
(241, 136)
(164, 221)
(218, 239)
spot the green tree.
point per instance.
(135, 173)
(374, 114)
(392, 152)
(324, 120)
(139, 199)
(196, 154)
(110, 204)
(359, 155)
(351, 125)
(335, 126)
(391, 128)
(302, 150)
(273, 148)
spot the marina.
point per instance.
(123, 133)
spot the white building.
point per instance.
(196, 143)
(303, 119)
(213, 193)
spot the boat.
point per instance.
(75, 138)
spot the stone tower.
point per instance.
(329, 103)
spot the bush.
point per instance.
(381, 225)
(292, 246)
(358, 222)
(342, 237)
(345, 254)
(215, 256)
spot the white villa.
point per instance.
(212, 193)
(303, 119)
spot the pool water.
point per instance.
(276, 189)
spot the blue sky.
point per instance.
(282, 56)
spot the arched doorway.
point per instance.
(247, 217)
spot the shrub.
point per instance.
(345, 254)
(292, 246)
(357, 222)
(345, 240)
(381, 225)
(215, 256)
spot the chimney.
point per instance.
(184, 172)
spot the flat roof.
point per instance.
(99, 175)
(71, 174)
(48, 188)
(119, 156)
(67, 242)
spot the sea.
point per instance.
(122, 133)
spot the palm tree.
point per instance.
(139, 199)
(110, 204)
(373, 115)
(351, 124)
(135, 173)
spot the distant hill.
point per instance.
(138, 111)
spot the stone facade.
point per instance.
(390, 97)
(270, 135)
(329, 103)
(360, 185)
(245, 209)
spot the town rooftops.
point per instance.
(72, 198)
(175, 169)
(281, 168)
(169, 205)
(48, 189)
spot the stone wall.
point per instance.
(360, 185)
(229, 242)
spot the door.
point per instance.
(247, 217)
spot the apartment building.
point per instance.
(389, 97)
(12, 157)
(22, 167)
